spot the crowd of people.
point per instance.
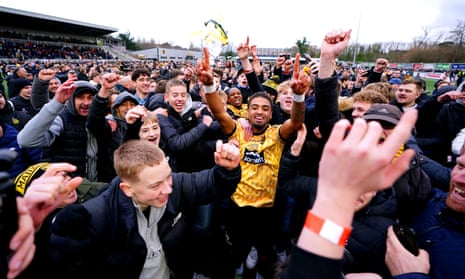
(243, 170)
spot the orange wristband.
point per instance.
(327, 229)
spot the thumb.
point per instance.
(73, 183)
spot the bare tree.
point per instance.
(422, 40)
(457, 35)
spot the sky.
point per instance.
(267, 23)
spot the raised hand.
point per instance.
(203, 69)
(65, 91)
(227, 155)
(46, 74)
(53, 189)
(243, 50)
(137, 112)
(335, 42)
(374, 169)
(300, 81)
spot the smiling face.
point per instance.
(259, 112)
(456, 198)
(53, 85)
(152, 188)
(82, 103)
(150, 131)
(123, 108)
(176, 97)
(235, 97)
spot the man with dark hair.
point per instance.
(141, 78)
(252, 205)
(60, 129)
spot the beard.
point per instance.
(259, 126)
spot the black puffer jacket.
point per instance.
(100, 239)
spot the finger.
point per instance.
(398, 167)
(56, 168)
(357, 131)
(401, 132)
(219, 145)
(19, 262)
(348, 34)
(23, 215)
(72, 184)
(338, 133)
(247, 41)
(391, 236)
(297, 63)
(372, 134)
(207, 57)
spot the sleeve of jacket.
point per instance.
(412, 275)
(326, 104)
(39, 93)
(42, 129)
(307, 265)
(297, 186)
(206, 186)
(180, 142)
(132, 132)
(70, 246)
(254, 82)
(413, 190)
(96, 122)
(438, 174)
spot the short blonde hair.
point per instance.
(133, 156)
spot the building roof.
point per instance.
(19, 19)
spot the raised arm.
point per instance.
(341, 182)
(39, 93)
(205, 75)
(42, 129)
(299, 85)
(326, 95)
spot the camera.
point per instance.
(286, 56)
(8, 210)
(407, 237)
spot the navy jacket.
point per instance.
(100, 239)
(441, 232)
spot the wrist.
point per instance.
(248, 71)
(298, 98)
(337, 205)
(208, 89)
(327, 229)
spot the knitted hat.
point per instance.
(20, 84)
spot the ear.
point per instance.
(126, 188)
(165, 97)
